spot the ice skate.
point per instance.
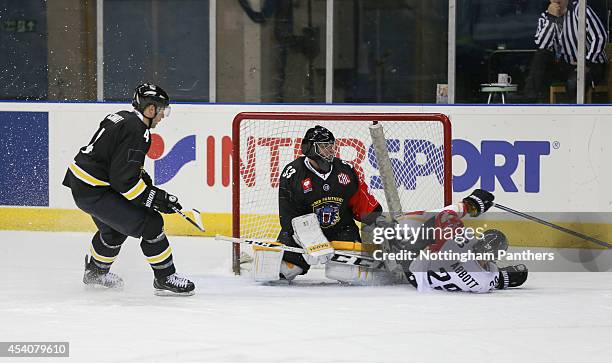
(96, 276)
(173, 285)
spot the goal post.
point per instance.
(418, 145)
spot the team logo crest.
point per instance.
(307, 185)
(326, 187)
(328, 212)
(343, 179)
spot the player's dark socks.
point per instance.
(103, 252)
(159, 255)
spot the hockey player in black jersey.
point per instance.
(317, 183)
(108, 182)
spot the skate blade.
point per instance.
(92, 286)
(161, 292)
(282, 282)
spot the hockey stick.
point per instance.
(196, 215)
(554, 226)
(387, 177)
(339, 256)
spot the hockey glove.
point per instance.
(146, 178)
(157, 199)
(478, 202)
(512, 276)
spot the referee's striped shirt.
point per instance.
(560, 35)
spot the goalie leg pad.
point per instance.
(266, 264)
(269, 266)
(357, 275)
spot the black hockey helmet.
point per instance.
(314, 140)
(492, 241)
(149, 94)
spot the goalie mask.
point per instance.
(319, 144)
(492, 241)
(149, 94)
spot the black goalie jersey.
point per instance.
(113, 159)
(338, 198)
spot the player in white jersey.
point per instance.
(459, 261)
(455, 268)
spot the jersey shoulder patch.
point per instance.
(347, 168)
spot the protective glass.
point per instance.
(326, 150)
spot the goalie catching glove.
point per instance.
(308, 234)
(478, 202)
(157, 199)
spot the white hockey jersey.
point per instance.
(451, 274)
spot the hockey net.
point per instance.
(263, 143)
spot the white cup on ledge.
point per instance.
(504, 78)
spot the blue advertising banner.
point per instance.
(24, 158)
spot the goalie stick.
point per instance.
(339, 256)
(554, 226)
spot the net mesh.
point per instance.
(416, 152)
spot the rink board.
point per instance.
(536, 159)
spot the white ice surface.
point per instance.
(556, 317)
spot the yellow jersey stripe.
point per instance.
(100, 257)
(162, 256)
(86, 177)
(136, 190)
